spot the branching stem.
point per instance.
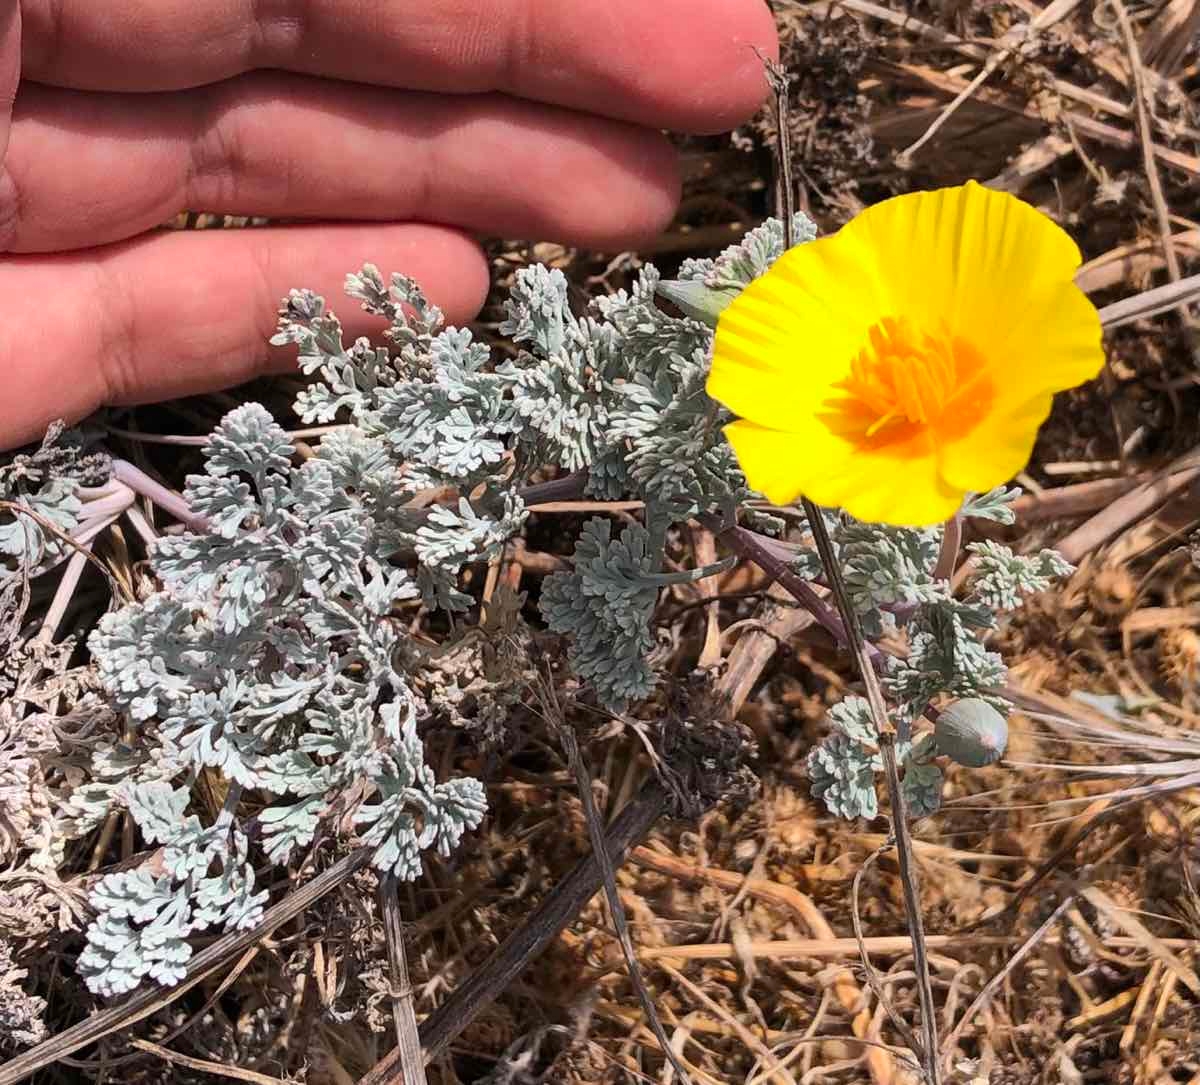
(140, 482)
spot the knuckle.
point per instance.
(116, 337)
(277, 29)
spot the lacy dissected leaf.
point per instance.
(945, 657)
(564, 385)
(665, 425)
(1001, 578)
(432, 398)
(452, 417)
(652, 341)
(923, 780)
(605, 606)
(47, 506)
(841, 772)
(677, 456)
(852, 717)
(140, 931)
(414, 812)
(22, 1021)
(288, 828)
(844, 767)
(740, 264)
(451, 536)
(144, 918)
(269, 657)
(28, 818)
(888, 566)
(348, 376)
(294, 529)
(995, 505)
(158, 809)
(46, 482)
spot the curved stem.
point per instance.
(690, 576)
(140, 482)
(947, 559)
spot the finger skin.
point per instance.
(10, 70)
(91, 168)
(178, 313)
(688, 65)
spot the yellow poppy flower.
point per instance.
(907, 360)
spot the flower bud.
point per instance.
(696, 300)
(971, 732)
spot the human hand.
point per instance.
(370, 119)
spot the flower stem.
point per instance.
(754, 548)
(861, 651)
(947, 559)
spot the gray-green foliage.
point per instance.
(741, 264)
(21, 1021)
(46, 483)
(605, 604)
(144, 915)
(268, 650)
(268, 656)
(891, 575)
(1002, 578)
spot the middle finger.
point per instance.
(91, 168)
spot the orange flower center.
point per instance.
(906, 375)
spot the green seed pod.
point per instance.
(696, 300)
(971, 732)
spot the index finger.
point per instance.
(689, 65)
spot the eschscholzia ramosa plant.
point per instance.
(908, 359)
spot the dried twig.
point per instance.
(1073, 500)
(608, 874)
(1133, 261)
(705, 550)
(1150, 303)
(994, 984)
(1143, 105)
(562, 904)
(1168, 38)
(844, 987)
(865, 955)
(839, 949)
(1130, 507)
(408, 1041)
(206, 1066)
(1014, 40)
(1136, 930)
(779, 1073)
(151, 998)
(1083, 124)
